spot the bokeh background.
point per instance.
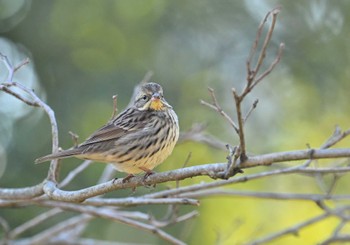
(83, 52)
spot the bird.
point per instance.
(137, 140)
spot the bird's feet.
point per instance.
(147, 171)
(125, 179)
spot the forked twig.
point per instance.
(53, 171)
(252, 79)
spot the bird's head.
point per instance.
(150, 97)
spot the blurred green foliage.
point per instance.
(83, 52)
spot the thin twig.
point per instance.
(175, 220)
(9, 67)
(255, 103)
(23, 63)
(75, 138)
(65, 227)
(337, 136)
(294, 230)
(218, 108)
(339, 227)
(264, 195)
(232, 167)
(262, 54)
(6, 231)
(334, 239)
(271, 67)
(115, 106)
(147, 77)
(115, 216)
(196, 134)
(254, 47)
(72, 174)
(183, 166)
(53, 171)
(33, 222)
(4, 87)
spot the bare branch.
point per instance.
(252, 81)
(33, 222)
(272, 66)
(203, 186)
(334, 239)
(23, 63)
(64, 227)
(255, 103)
(196, 134)
(135, 201)
(265, 195)
(5, 87)
(337, 136)
(294, 230)
(21, 193)
(232, 167)
(254, 47)
(72, 174)
(115, 107)
(145, 79)
(53, 172)
(175, 220)
(267, 40)
(115, 216)
(208, 169)
(215, 106)
(9, 67)
(6, 229)
(75, 138)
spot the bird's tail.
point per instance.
(58, 155)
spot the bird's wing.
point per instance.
(126, 122)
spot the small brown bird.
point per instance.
(138, 139)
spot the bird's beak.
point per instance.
(158, 102)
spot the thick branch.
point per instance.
(208, 169)
(134, 201)
(22, 193)
(204, 186)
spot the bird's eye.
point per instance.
(144, 97)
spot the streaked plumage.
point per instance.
(138, 139)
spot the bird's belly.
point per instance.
(146, 159)
(149, 161)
